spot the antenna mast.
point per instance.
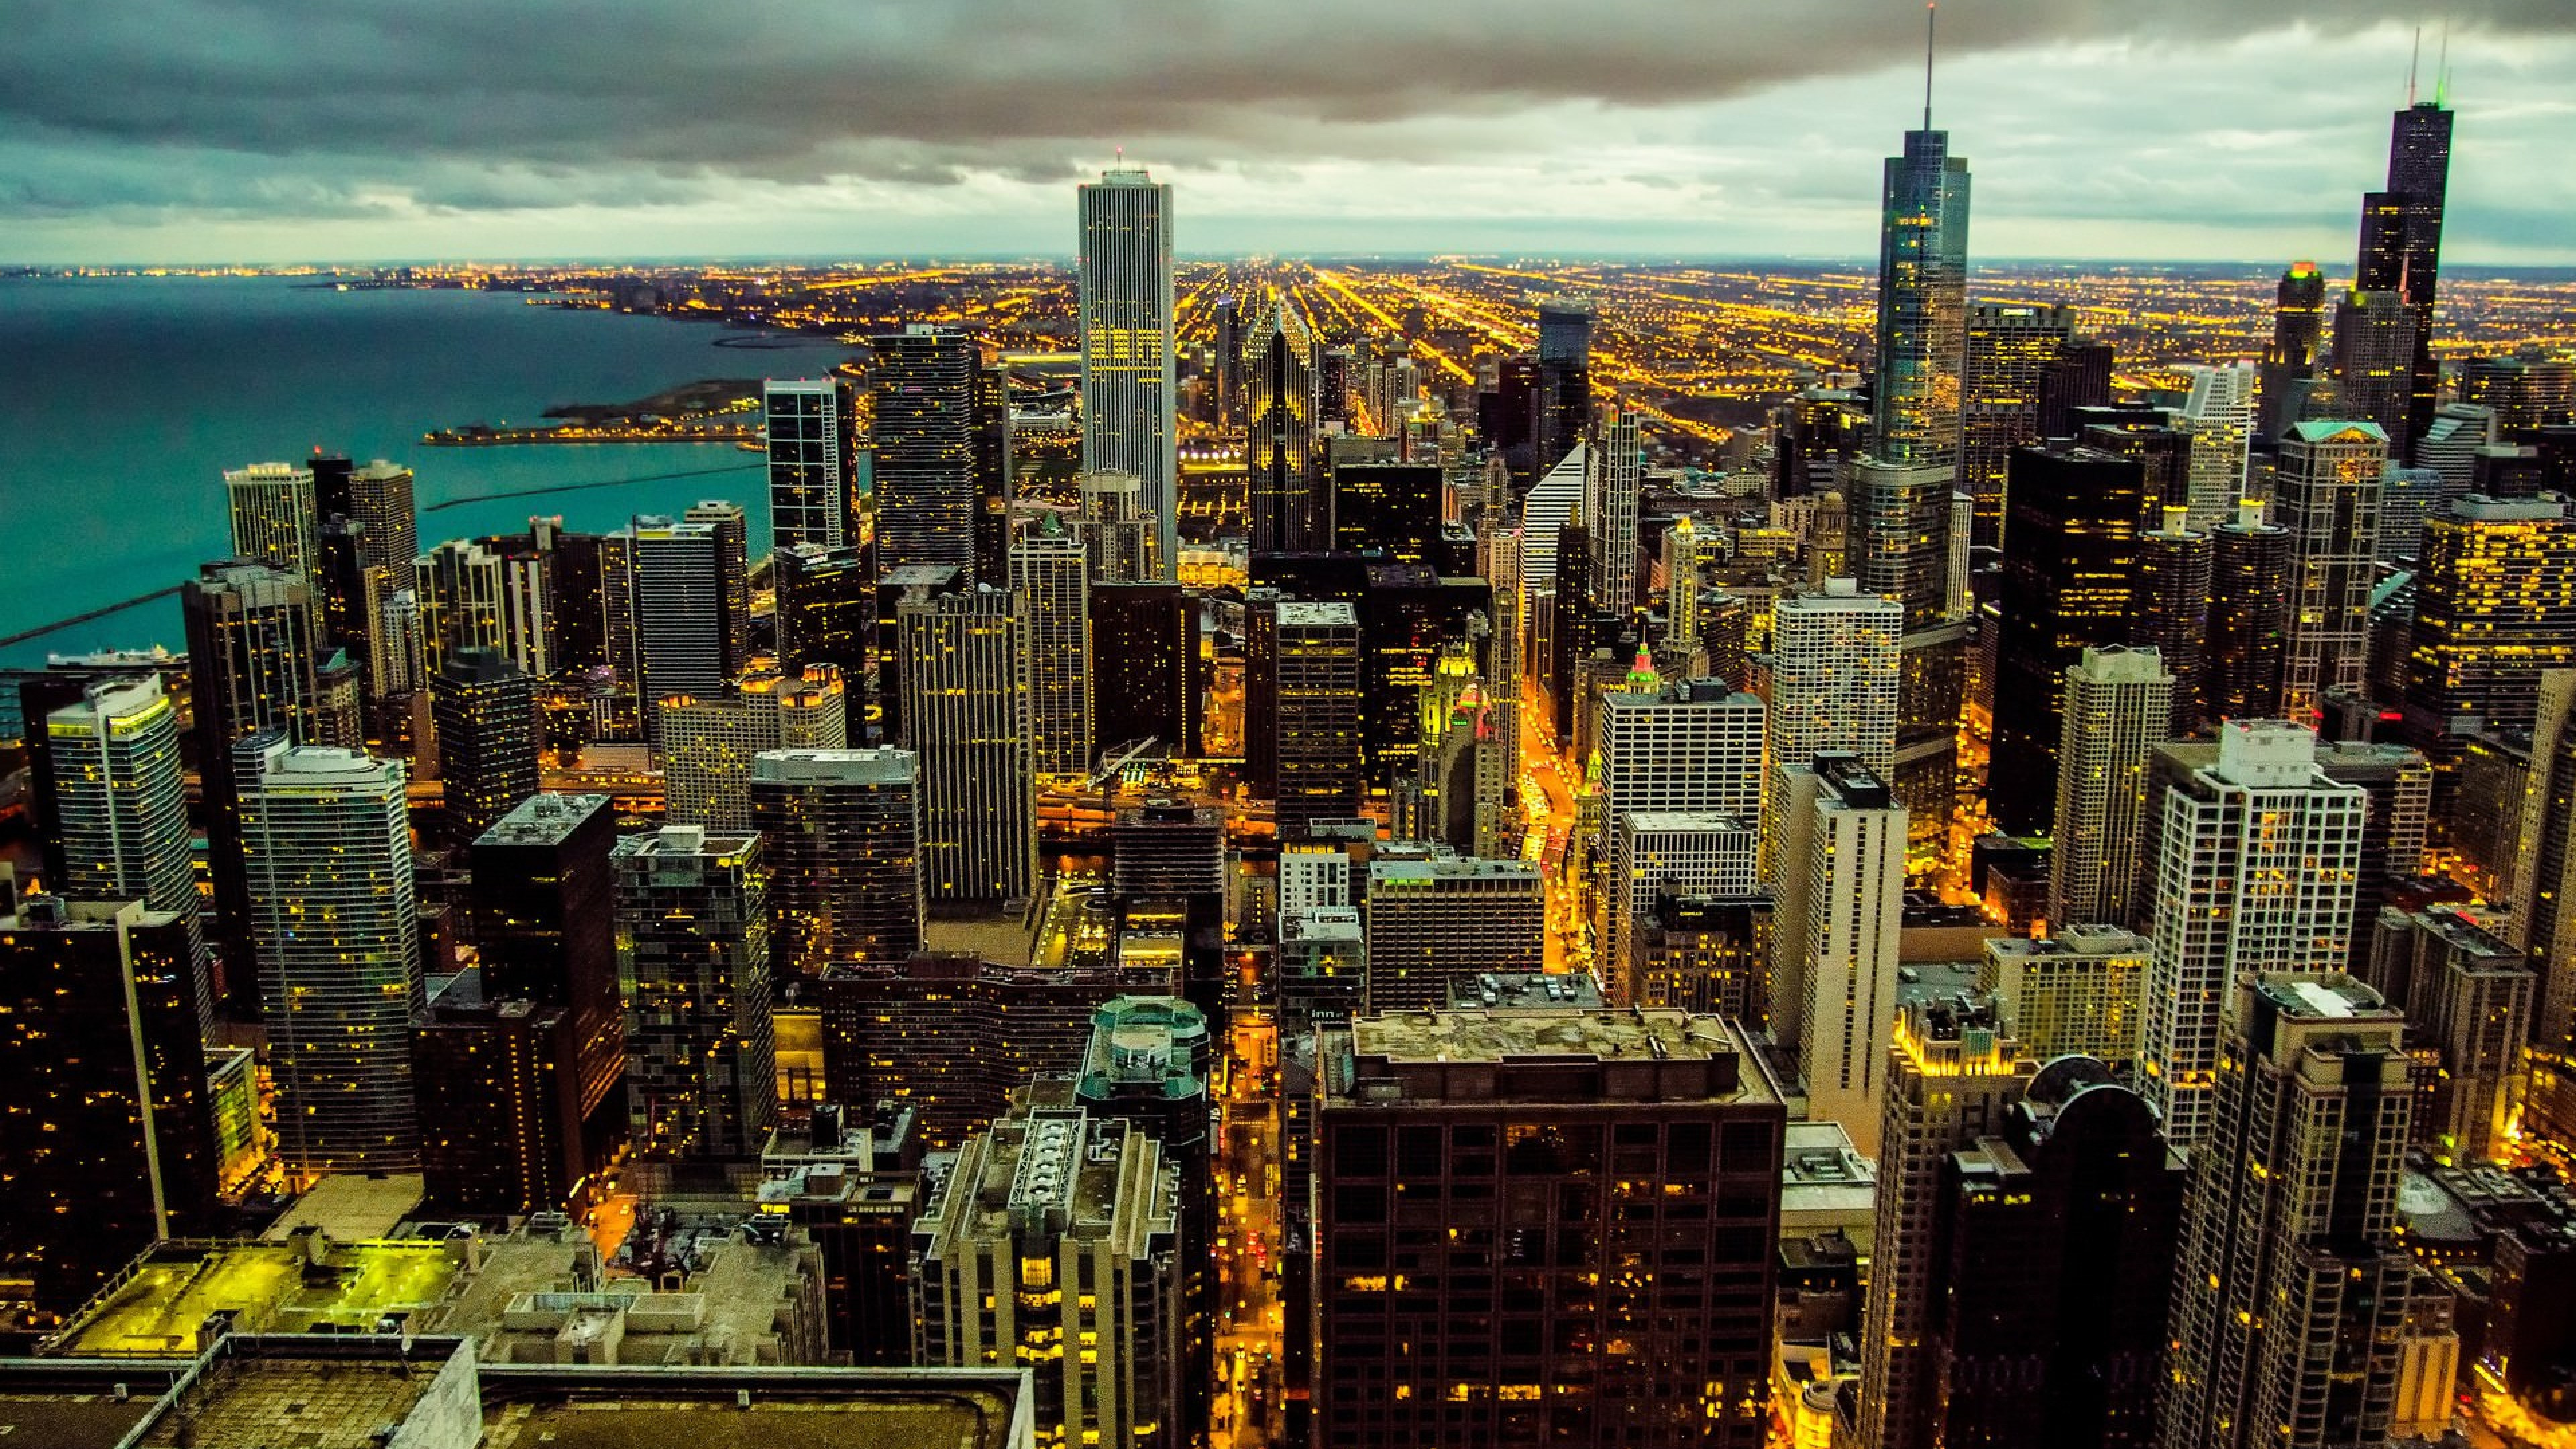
(2412, 58)
(1931, 12)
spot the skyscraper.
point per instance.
(707, 745)
(2249, 617)
(2170, 606)
(813, 461)
(923, 437)
(674, 609)
(1048, 566)
(1290, 510)
(120, 811)
(1831, 677)
(2119, 707)
(2288, 1327)
(732, 526)
(2007, 344)
(2253, 865)
(326, 854)
(2298, 323)
(486, 595)
(487, 738)
(1900, 534)
(1686, 746)
(1314, 723)
(2543, 845)
(966, 715)
(1922, 301)
(273, 516)
(2401, 245)
(1125, 299)
(2495, 606)
(1839, 877)
(1617, 476)
(996, 470)
(693, 932)
(1650, 852)
(1561, 380)
(2374, 358)
(2328, 497)
(2220, 411)
(1115, 531)
(250, 667)
(827, 608)
(842, 830)
(1145, 636)
(543, 908)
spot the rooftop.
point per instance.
(163, 1300)
(1493, 990)
(543, 819)
(1634, 1055)
(794, 1409)
(353, 1207)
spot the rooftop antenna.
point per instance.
(2442, 68)
(2412, 57)
(1931, 12)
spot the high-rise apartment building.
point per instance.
(2543, 846)
(2119, 707)
(1900, 535)
(1125, 302)
(111, 1143)
(707, 745)
(2078, 991)
(2289, 1325)
(486, 713)
(543, 908)
(2524, 392)
(1552, 1108)
(1617, 480)
(1646, 852)
(813, 462)
(273, 515)
(672, 607)
(2328, 498)
(966, 716)
(2495, 606)
(1954, 1074)
(1314, 724)
(326, 858)
(498, 1094)
(995, 454)
(2007, 344)
(486, 595)
(693, 935)
(842, 832)
(1290, 511)
(1048, 566)
(923, 439)
(2467, 995)
(1839, 868)
(2253, 865)
(2220, 412)
(380, 502)
(1441, 917)
(1830, 681)
(732, 526)
(2250, 602)
(1069, 1226)
(119, 807)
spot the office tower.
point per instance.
(2298, 324)
(1955, 1073)
(1387, 508)
(1644, 852)
(1815, 434)
(250, 667)
(499, 1101)
(2450, 445)
(2170, 605)
(543, 909)
(1420, 1107)
(707, 745)
(1165, 850)
(111, 1140)
(2119, 707)
(1146, 637)
(1706, 954)
(2069, 564)
(693, 936)
(326, 857)
(581, 595)
(1831, 677)
(2290, 1330)
(995, 448)
(2328, 499)
(1618, 473)
(2544, 847)
(1047, 565)
(2467, 995)
(1561, 391)
(1839, 873)
(2254, 861)
(827, 608)
(1900, 535)
(2079, 376)
(842, 833)
(1439, 917)
(2374, 350)
(671, 607)
(2078, 991)
(1922, 307)
(2220, 412)
(2401, 247)
(339, 713)
(2079, 1194)
(2495, 606)
(1116, 534)
(2407, 496)
(2525, 392)
(1572, 626)
(1149, 1062)
(732, 526)
(1289, 511)
(486, 596)
(273, 516)
(118, 802)
(924, 454)
(1069, 1224)
(2250, 602)
(1125, 301)
(1314, 723)
(1452, 793)
(966, 715)
(894, 589)
(1685, 746)
(2007, 345)
(486, 712)
(813, 461)
(1229, 361)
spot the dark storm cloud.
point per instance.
(931, 91)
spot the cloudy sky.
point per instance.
(273, 130)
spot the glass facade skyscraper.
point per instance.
(1126, 304)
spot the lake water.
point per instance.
(122, 400)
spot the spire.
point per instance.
(2412, 58)
(2442, 70)
(1931, 12)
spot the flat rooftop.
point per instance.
(647, 1419)
(292, 1403)
(1454, 1036)
(353, 1207)
(167, 1295)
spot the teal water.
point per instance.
(123, 399)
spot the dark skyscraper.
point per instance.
(2298, 325)
(924, 438)
(1289, 510)
(993, 472)
(250, 667)
(2171, 610)
(487, 738)
(1146, 637)
(541, 908)
(2249, 617)
(827, 608)
(2401, 242)
(1562, 399)
(843, 832)
(2006, 349)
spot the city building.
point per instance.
(1313, 728)
(841, 832)
(2007, 344)
(1706, 954)
(692, 911)
(498, 1087)
(2375, 334)
(966, 717)
(2252, 861)
(1922, 310)
(2401, 247)
(543, 914)
(1166, 850)
(1692, 745)
(273, 515)
(708, 743)
(1290, 510)
(486, 715)
(672, 610)
(1611, 1132)
(2250, 603)
(1145, 636)
(812, 436)
(327, 863)
(1831, 679)
(1615, 477)
(996, 469)
(2080, 991)
(2291, 1328)
(922, 436)
(1069, 1225)
(2298, 325)
(2524, 392)
(1125, 314)
(119, 807)
(1442, 916)
(826, 608)
(2467, 995)
(251, 653)
(2170, 609)
(2219, 410)
(487, 594)
(1839, 876)
(2495, 605)
(2544, 847)
(111, 1139)
(2119, 707)
(1646, 852)
(1049, 567)
(2328, 499)
(1116, 534)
